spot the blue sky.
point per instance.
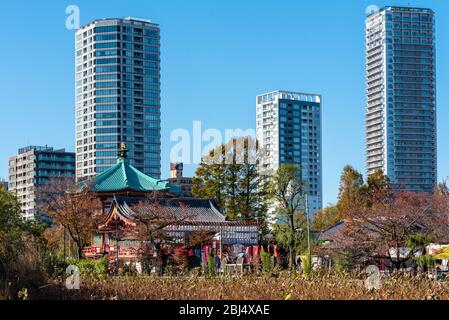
(216, 57)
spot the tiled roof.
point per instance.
(123, 176)
(194, 210)
(185, 209)
(188, 214)
(331, 232)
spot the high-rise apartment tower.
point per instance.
(118, 95)
(289, 131)
(400, 92)
(34, 167)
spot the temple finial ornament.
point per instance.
(123, 151)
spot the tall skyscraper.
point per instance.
(118, 95)
(33, 167)
(289, 131)
(401, 103)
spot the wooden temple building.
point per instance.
(122, 187)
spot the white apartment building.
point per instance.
(289, 131)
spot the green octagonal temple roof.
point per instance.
(123, 176)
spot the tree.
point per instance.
(228, 174)
(289, 192)
(78, 211)
(442, 189)
(326, 217)
(232, 177)
(390, 229)
(351, 182)
(293, 242)
(11, 234)
(209, 181)
(376, 189)
(153, 219)
(251, 192)
(353, 192)
(22, 249)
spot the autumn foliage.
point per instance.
(78, 211)
(391, 225)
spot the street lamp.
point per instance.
(308, 226)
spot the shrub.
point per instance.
(27, 274)
(102, 267)
(211, 266)
(306, 264)
(57, 266)
(425, 262)
(96, 269)
(267, 262)
(128, 271)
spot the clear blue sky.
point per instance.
(216, 57)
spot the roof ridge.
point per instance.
(214, 209)
(125, 173)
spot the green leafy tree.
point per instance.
(11, 233)
(294, 242)
(209, 181)
(351, 182)
(22, 249)
(261, 209)
(354, 193)
(232, 177)
(377, 189)
(326, 217)
(228, 174)
(288, 192)
(250, 186)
